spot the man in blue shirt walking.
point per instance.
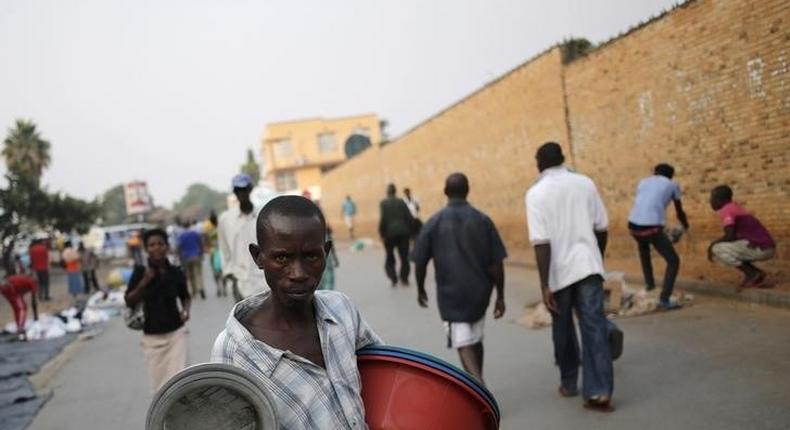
(349, 211)
(190, 248)
(646, 224)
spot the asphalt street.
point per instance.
(715, 365)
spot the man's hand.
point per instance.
(548, 300)
(149, 274)
(184, 316)
(499, 308)
(422, 298)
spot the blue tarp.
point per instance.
(19, 403)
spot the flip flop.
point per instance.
(599, 405)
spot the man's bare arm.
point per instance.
(543, 260)
(602, 237)
(497, 273)
(681, 214)
(420, 270)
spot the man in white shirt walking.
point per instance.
(235, 233)
(568, 228)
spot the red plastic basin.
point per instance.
(404, 395)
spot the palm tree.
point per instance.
(26, 153)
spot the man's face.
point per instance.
(292, 258)
(716, 202)
(242, 194)
(156, 247)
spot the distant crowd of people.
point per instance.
(33, 279)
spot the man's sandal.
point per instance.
(565, 392)
(599, 404)
(761, 281)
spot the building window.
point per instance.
(326, 143)
(283, 148)
(285, 181)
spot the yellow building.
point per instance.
(296, 153)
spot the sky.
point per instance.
(174, 92)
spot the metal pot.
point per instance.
(211, 396)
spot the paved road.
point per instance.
(714, 365)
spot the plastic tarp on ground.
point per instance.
(19, 403)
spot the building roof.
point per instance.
(319, 118)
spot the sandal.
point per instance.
(669, 305)
(565, 392)
(599, 404)
(761, 281)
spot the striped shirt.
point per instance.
(305, 395)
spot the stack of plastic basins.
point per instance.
(405, 389)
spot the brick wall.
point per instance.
(706, 88)
(491, 136)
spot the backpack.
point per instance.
(135, 317)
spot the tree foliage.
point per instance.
(24, 204)
(112, 205)
(67, 213)
(575, 48)
(251, 168)
(199, 201)
(25, 152)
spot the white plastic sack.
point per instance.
(114, 299)
(73, 325)
(47, 327)
(94, 316)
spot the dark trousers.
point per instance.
(665, 248)
(402, 243)
(586, 298)
(43, 284)
(89, 278)
(194, 270)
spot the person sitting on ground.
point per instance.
(301, 343)
(745, 239)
